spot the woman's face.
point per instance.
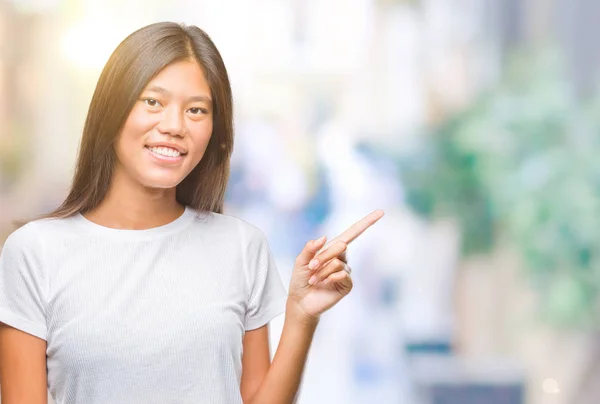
(168, 129)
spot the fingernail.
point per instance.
(313, 264)
(312, 280)
(320, 239)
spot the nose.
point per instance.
(172, 122)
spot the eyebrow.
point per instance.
(195, 98)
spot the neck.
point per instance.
(131, 206)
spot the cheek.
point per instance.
(131, 136)
(201, 134)
(138, 123)
(123, 146)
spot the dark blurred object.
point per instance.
(449, 380)
(578, 30)
(571, 24)
(440, 347)
(477, 394)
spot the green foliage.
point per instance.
(14, 153)
(523, 163)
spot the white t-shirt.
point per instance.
(141, 316)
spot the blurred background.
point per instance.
(472, 123)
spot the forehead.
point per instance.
(185, 77)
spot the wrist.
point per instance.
(297, 315)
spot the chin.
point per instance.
(161, 183)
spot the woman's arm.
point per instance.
(320, 279)
(255, 361)
(281, 380)
(22, 367)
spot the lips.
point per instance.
(167, 145)
(164, 151)
(166, 161)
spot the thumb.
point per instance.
(309, 251)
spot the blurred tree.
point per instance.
(521, 164)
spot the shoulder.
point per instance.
(23, 245)
(25, 237)
(32, 235)
(247, 232)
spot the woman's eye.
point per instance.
(151, 102)
(197, 111)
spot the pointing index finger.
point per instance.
(359, 227)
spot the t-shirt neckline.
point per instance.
(169, 228)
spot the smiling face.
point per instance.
(168, 129)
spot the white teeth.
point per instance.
(165, 151)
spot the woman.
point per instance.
(137, 289)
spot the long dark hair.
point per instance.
(140, 57)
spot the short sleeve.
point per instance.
(267, 295)
(22, 304)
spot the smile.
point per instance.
(164, 151)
